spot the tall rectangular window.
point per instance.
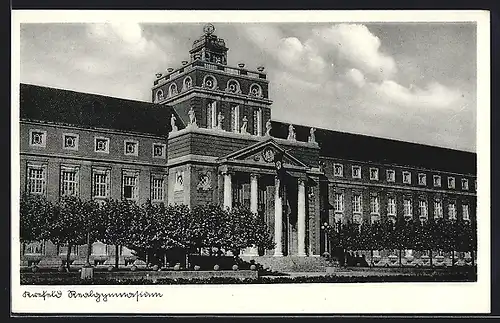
(374, 174)
(407, 209)
(130, 186)
(451, 182)
(157, 188)
(257, 122)
(391, 175)
(356, 171)
(452, 211)
(438, 209)
(465, 184)
(374, 204)
(339, 202)
(465, 212)
(391, 206)
(406, 178)
(37, 179)
(69, 181)
(100, 185)
(212, 115)
(235, 118)
(356, 203)
(338, 170)
(422, 205)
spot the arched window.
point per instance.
(159, 95)
(187, 83)
(255, 90)
(172, 90)
(209, 82)
(233, 86)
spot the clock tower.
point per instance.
(233, 99)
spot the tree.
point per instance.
(117, 216)
(73, 222)
(34, 212)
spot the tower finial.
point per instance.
(208, 29)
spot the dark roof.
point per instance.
(92, 110)
(385, 151)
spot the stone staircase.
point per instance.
(289, 263)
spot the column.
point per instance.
(228, 192)
(253, 251)
(253, 192)
(301, 217)
(278, 225)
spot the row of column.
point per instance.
(278, 211)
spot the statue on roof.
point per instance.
(312, 136)
(172, 123)
(192, 118)
(208, 29)
(291, 133)
(268, 127)
(244, 126)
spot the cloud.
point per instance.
(434, 96)
(355, 44)
(127, 37)
(355, 77)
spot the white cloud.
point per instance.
(356, 77)
(355, 44)
(435, 95)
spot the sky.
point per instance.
(406, 81)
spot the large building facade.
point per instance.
(208, 137)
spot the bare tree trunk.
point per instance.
(430, 256)
(371, 257)
(165, 259)
(68, 257)
(89, 250)
(472, 256)
(117, 255)
(400, 260)
(453, 258)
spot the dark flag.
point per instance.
(280, 171)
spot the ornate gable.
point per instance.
(263, 153)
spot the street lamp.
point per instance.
(324, 227)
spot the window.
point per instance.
(374, 204)
(100, 186)
(212, 115)
(70, 141)
(38, 138)
(69, 181)
(406, 178)
(209, 82)
(465, 212)
(451, 182)
(338, 170)
(356, 206)
(407, 209)
(130, 148)
(159, 95)
(235, 118)
(391, 175)
(157, 188)
(465, 184)
(37, 179)
(438, 209)
(34, 248)
(172, 90)
(452, 211)
(374, 174)
(255, 90)
(257, 122)
(437, 180)
(101, 145)
(391, 206)
(233, 86)
(187, 83)
(159, 150)
(339, 202)
(356, 172)
(422, 205)
(130, 187)
(422, 179)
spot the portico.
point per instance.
(249, 179)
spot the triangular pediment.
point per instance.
(263, 153)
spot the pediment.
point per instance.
(263, 153)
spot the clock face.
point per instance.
(268, 155)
